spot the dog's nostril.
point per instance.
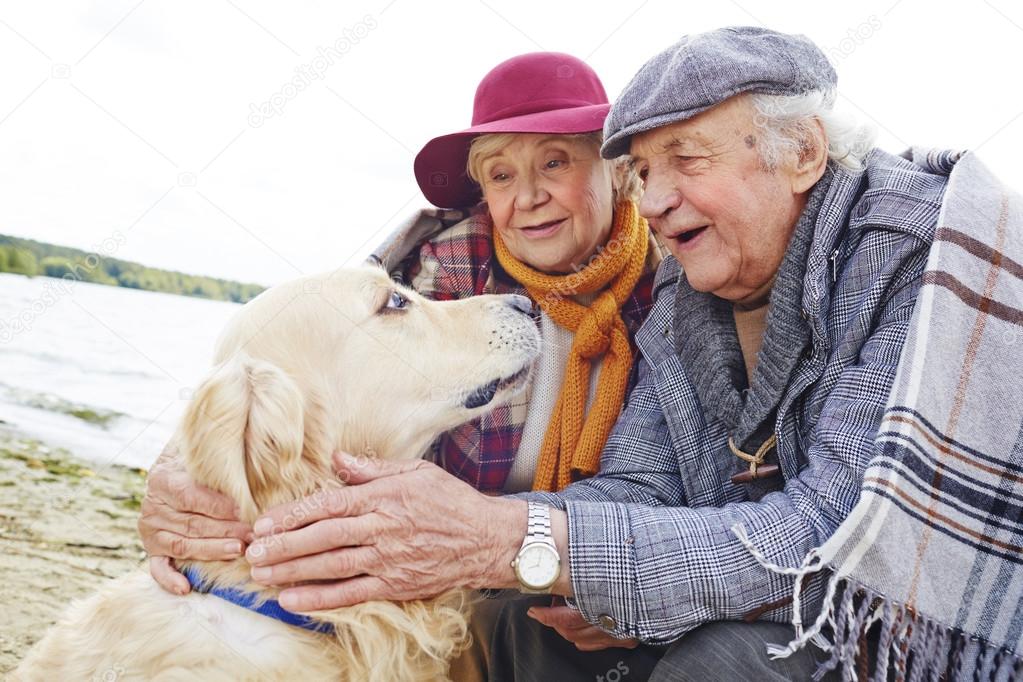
(520, 303)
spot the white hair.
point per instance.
(784, 125)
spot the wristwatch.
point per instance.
(538, 564)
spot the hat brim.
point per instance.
(440, 165)
(620, 142)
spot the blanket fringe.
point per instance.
(910, 647)
(811, 564)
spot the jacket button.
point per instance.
(607, 622)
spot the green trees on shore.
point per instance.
(18, 261)
(32, 258)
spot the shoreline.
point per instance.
(66, 527)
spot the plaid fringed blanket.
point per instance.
(934, 548)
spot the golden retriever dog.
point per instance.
(347, 361)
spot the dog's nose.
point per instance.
(520, 303)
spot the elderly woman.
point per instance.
(764, 372)
(538, 213)
(557, 223)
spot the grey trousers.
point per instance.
(509, 645)
(727, 651)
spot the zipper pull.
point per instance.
(834, 266)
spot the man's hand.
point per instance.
(569, 623)
(398, 531)
(182, 520)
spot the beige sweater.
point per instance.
(749, 327)
(549, 373)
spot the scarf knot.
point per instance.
(600, 321)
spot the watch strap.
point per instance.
(538, 528)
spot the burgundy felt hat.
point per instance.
(540, 92)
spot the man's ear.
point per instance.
(811, 158)
(242, 434)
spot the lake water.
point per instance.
(124, 360)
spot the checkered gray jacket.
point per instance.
(652, 553)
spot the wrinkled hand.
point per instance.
(398, 531)
(569, 623)
(182, 520)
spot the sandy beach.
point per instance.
(66, 526)
(96, 376)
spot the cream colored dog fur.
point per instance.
(343, 361)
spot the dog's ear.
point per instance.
(242, 433)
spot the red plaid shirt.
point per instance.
(445, 262)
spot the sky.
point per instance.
(171, 132)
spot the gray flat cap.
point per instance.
(705, 69)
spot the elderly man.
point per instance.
(763, 373)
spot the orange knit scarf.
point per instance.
(573, 442)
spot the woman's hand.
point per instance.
(182, 520)
(569, 623)
(398, 531)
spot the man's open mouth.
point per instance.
(484, 394)
(690, 235)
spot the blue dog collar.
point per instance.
(248, 600)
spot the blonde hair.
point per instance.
(625, 183)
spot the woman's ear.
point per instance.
(811, 158)
(625, 185)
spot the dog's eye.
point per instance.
(396, 301)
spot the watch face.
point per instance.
(538, 565)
